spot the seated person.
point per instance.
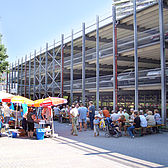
(101, 117)
(106, 113)
(150, 119)
(157, 117)
(143, 122)
(136, 124)
(115, 124)
(121, 121)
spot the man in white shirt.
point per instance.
(120, 112)
(143, 122)
(74, 114)
(115, 116)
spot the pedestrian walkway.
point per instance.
(83, 151)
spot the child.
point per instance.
(96, 126)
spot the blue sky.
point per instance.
(27, 25)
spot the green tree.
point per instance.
(3, 56)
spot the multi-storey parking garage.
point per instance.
(82, 66)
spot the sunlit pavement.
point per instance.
(84, 151)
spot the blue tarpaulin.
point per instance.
(25, 109)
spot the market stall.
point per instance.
(46, 121)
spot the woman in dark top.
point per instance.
(30, 122)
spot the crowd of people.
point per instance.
(82, 117)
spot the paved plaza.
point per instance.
(84, 151)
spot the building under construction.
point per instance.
(112, 62)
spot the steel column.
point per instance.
(12, 77)
(29, 75)
(34, 92)
(40, 75)
(21, 76)
(163, 66)
(114, 60)
(9, 80)
(135, 56)
(25, 76)
(71, 80)
(62, 64)
(46, 69)
(15, 78)
(53, 73)
(83, 64)
(97, 62)
(18, 79)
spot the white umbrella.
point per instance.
(4, 95)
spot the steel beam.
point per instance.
(7, 79)
(114, 60)
(135, 56)
(97, 63)
(46, 69)
(62, 64)
(71, 77)
(25, 75)
(83, 64)
(12, 77)
(15, 78)
(53, 69)
(29, 75)
(21, 75)
(143, 60)
(40, 75)
(103, 40)
(163, 65)
(34, 85)
(18, 79)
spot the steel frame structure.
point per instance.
(46, 69)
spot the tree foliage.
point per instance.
(3, 56)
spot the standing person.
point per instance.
(1, 109)
(30, 122)
(74, 114)
(91, 113)
(56, 112)
(96, 126)
(136, 124)
(82, 116)
(7, 113)
(24, 122)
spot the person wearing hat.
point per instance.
(96, 125)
